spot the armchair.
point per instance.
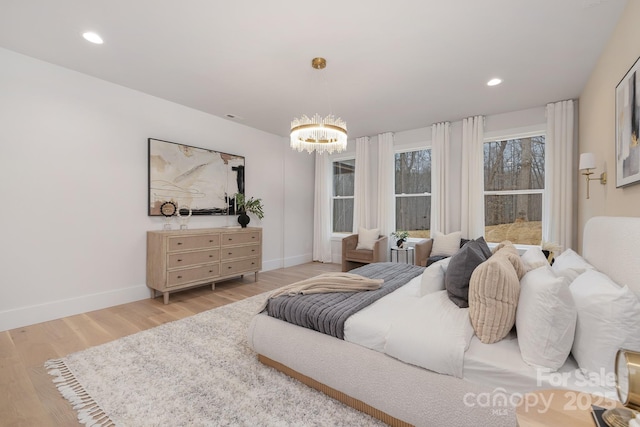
(352, 257)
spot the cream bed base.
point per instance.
(403, 394)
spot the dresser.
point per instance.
(180, 259)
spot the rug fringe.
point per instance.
(89, 412)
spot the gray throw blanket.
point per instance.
(325, 283)
(327, 312)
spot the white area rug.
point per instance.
(197, 371)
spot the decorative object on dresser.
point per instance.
(250, 205)
(182, 259)
(184, 213)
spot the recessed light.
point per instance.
(92, 37)
(494, 82)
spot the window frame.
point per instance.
(407, 149)
(334, 197)
(530, 132)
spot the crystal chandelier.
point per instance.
(319, 134)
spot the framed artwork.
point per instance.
(199, 179)
(628, 128)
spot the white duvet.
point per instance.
(409, 326)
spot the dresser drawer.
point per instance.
(185, 259)
(180, 243)
(240, 252)
(179, 277)
(243, 266)
(239, 238)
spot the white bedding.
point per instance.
(411, 327)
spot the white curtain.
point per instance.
(386, 188)
(558, 215)
(322, 210)
(361, 199)
(439, 165)
(472, 206)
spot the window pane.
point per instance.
(342, 215)
(413, 172)
(517, 218)
(344, 177)
(515, 164)
(413, 214)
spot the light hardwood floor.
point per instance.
(27, 394)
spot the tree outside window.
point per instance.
(514, 188)
(413, 192)
(343, 191)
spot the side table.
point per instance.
(409, 257)
(559, 408)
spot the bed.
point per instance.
(492, 378)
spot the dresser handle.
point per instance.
(179, 243)
(253, 250)
(210, 271)
(210, 256)
(229, 267)
(179, 277)
(230, 253)
(230, 239)
(210, 241)
(179, 260)
(253, 237)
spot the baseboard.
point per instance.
(30, 315)
(297, 260)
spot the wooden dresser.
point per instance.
(180, 259)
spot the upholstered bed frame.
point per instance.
(403, 394)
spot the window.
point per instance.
(343, 190)
(513, 190)
(413, 192)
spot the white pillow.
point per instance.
(445, 245)
(608, 319)
(533, 258)
(570, 259)
(546, 318)
(367, 238)
(433, 277)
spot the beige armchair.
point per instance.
(352, 257)
(423, 251)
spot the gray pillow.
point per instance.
(461, 266)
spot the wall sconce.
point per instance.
(588, 162)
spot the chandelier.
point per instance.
(316, 133)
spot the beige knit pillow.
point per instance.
(494, 290)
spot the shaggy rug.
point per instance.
(198, 371)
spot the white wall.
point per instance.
(496, 126)
(73, 179)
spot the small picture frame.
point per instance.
(628, 127)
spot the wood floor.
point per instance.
(27, 394)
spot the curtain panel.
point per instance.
(558, 216)
(472, 206)
(322, 209)
(386, 184)
(440, 136)
(362, 191)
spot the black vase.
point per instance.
(400, 242)
(243, 219)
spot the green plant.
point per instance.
(400, 235)
(250, 205)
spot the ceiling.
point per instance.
(391, 65)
